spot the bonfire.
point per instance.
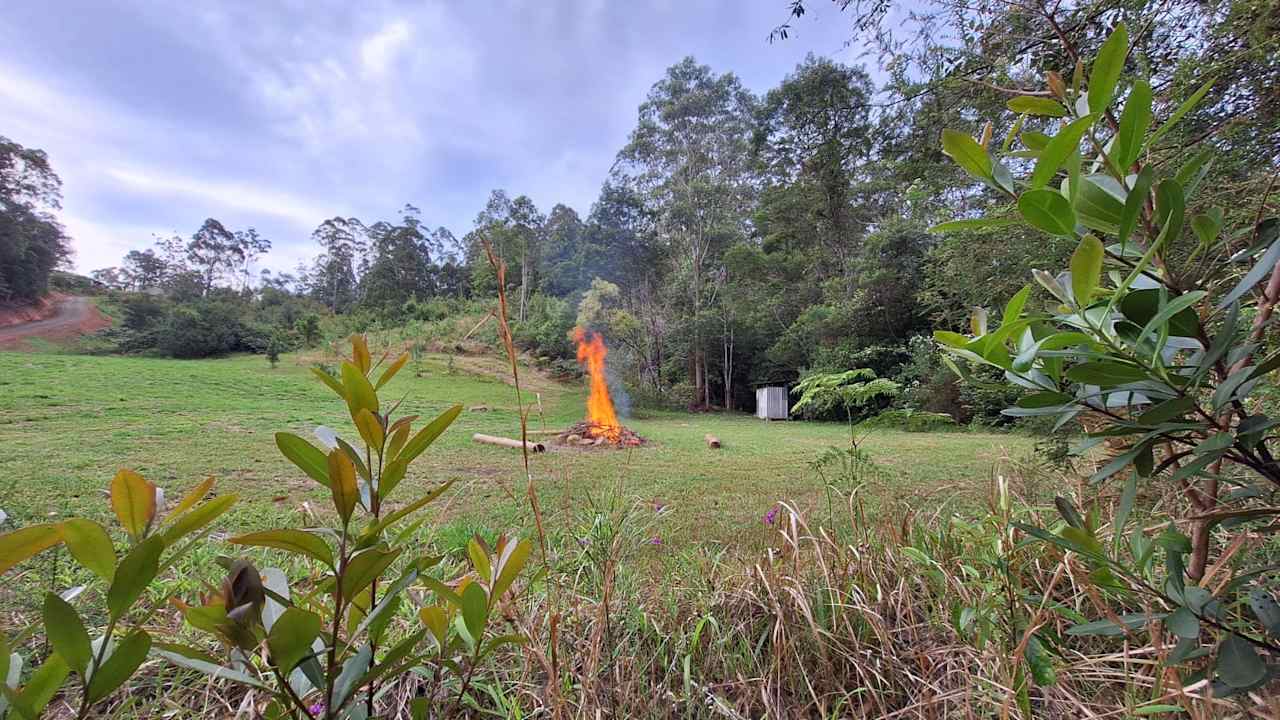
(601, 425)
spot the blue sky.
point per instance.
(281, 114)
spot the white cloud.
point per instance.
(379, 50)
(227, 195)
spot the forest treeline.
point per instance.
(743, 239)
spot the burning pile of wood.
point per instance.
(587, 434)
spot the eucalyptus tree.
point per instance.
(401, 266)
(32, 241)
(689, 155)
(213, 251)
(333, 279)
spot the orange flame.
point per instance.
(600, 412)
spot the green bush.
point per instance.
(1158, 334)
(203, 329)
(911, 421)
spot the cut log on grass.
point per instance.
(533, 447)
(713, 442)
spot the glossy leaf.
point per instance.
(1170, 209)
(1059, 148)
(307, 457)
(343, 488)
(352, 670)
(360, 393)
(427, 435)
(1183, 623)
(972, 224)
(968, 154)
(1263, 268)
(90, 545)
(1134, 122)
(291, 637)
(198, 518)
(193, 496)
(289, 540)
(1086, 269)
(1187, 106)
(125, 659)
(1109, 629)
(26, 542)
(366, 567)
(43, 685)
(1035, 105)
(1048, 211)
(370, 429)
(65, 632)
(1134, 203)
(135, 572)
(133, 499)
(475, 610)
(391, 371)
(1107, 67)
(333, 383)
(213, 670)
(1238, 663)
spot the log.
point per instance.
(533, 447)
(713, 442)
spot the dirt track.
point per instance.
(74, 316)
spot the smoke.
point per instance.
(618, 391)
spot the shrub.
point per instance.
(911, 421)
(1155, 342)
(202, 329)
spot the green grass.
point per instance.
(68, 422)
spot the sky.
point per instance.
(280, 114)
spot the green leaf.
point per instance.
(214, 671)
(1186, 107)
(136, 571)
(1086, 269)
(1171, 310)
(1141, 306)
(291, 636)
(125, 659)
(1251, 278)
(360, 393)
(1167, 410)
(1048, 211)
(331, 381)
(972, 224)
(1040, 662)
(1207, 225)
(90, 545)
(198, 518)
(968, 154)
(1035, 141)
(1238, 663)
(1099, 203)
(1107, 67)
(391, 371)
(43, 685)
(405, 511)
(1170, 209)
(1183, 623)
(343, 487)
(1106, 373)
(1134, 122)
(366, 567)
(1107, 628)
(427, 435)
(512, 558)
(1158, 710)
(1266, 609)
(26, 542)
(309, 458)
(1035, 105)
(1134, 203)
(352, 670)
(475, 610)
(370, 429)
(1059, 148)
(133, 499)
(290, 540)
(65, 632)
(193, 496)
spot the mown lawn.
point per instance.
(67, 422)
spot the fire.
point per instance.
(601, 416)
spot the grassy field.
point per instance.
(67, 422)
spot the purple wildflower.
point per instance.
(316, 709)
(770, 516)
(655, 540)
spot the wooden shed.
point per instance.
(771, 403)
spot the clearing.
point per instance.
(68, 422)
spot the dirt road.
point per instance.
(74, 316)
